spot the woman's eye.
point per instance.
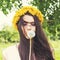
(24, 23)
(33, 24)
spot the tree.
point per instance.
(6, 5)
(51, 12)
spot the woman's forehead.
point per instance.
(28, 18)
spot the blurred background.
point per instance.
(51, 24)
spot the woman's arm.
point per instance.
(4, 58)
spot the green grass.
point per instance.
(55, 44)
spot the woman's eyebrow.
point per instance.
(27, 22)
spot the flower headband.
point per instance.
(23, 10)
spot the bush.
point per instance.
(8, 34)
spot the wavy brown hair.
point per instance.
(40, 47)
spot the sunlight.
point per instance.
(7, 20)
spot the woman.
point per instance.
(29, 19)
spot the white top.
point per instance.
(11, 53)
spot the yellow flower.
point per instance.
(23, 10)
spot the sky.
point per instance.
(7, 20)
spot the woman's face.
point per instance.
(27, 25)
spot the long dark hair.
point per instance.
(40, 47)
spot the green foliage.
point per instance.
(6, 5)
(49, 8)
(51, 12)
(56, 47)
(8, 34)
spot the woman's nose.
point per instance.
(29, 26)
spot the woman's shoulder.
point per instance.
(11, 52)
(10, 48)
